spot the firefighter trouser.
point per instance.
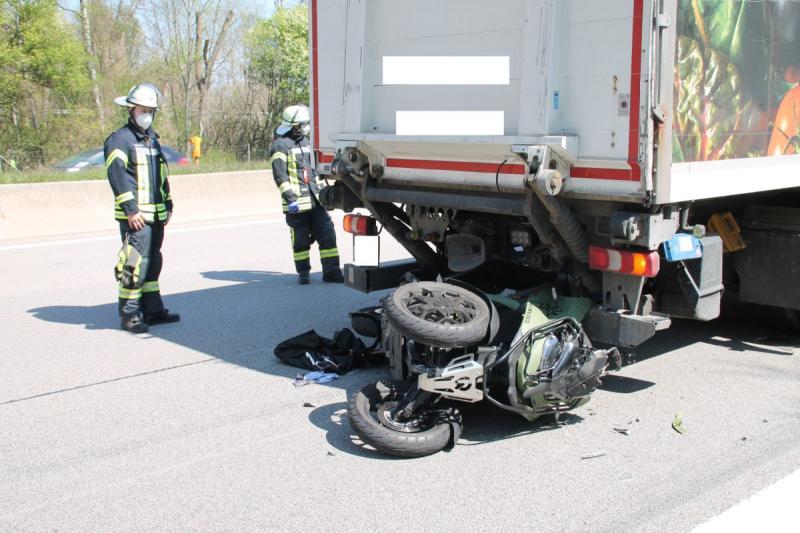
(310, 226)
(140, 293)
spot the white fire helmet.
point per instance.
(295, 115)
(143, 94)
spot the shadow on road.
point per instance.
(268, 306)
(623, 384)
(738, 329)
(484, 423)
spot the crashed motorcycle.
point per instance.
(449, 342)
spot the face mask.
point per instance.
(305, 129)
(144, 120)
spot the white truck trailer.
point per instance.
(586, 143)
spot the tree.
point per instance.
(190, 40)
(86, 32)
(44, 82)
(278, 52)
(117, 47)
(206, 60)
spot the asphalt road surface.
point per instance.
(196, 426)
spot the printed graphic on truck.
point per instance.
(737, 79)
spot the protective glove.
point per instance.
(294, 207)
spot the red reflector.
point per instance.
(598, 258)
(359, 225)
(632, 263)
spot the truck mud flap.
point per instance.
(372, 278)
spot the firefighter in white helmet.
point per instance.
(138, 174)
(293, 169)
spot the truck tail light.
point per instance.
(360, 225)
(633, 263)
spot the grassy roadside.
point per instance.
(49, 175)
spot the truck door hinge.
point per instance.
(659, 114)
(663, 20)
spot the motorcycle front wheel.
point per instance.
(370, 416)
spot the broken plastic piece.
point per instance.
(593, 455)
(677, 423)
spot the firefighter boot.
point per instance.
(133, 324)
(302, 278)
(334, 276)
(161, 317)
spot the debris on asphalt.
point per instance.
(331, 454)
(677, 424)
(317, 376)
(744, 439)
(624, 431)
(300, 382)
(593, 455)
(308, 405)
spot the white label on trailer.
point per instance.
(446, 70)
(450, 123)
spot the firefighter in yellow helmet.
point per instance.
(137, 171)
(293, 170)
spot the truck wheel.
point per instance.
(438, 314)
(369, 416)
(793, 318)
(779, 317)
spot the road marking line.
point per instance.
(771, 509)
(191, 229)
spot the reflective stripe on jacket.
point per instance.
(293, 170)
(138, 174)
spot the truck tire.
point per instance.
(793, 318)
(778, 317)
(438, 314)
(418, 438)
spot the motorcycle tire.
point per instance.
(419, 438)
(438, 314)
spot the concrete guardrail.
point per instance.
(38, 210)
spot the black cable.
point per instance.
(497, 174)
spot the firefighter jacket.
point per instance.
(293, 170)
(138, 174)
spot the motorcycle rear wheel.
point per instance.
(370, 419)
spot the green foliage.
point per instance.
(278, 54)
(47, 104)
(119, 48)
(44, 84)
